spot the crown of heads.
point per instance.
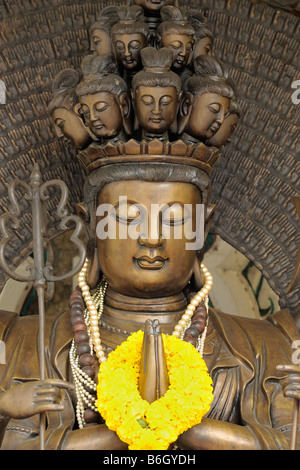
(103, 73)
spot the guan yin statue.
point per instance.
(140, 360)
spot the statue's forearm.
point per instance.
(218, 435)
(97, 437)
(3, 424)
(4, 419)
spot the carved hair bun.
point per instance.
(153, 58)
(207, 65)
(171, 13)
(64, 80)
(131, 13)
(98, 64)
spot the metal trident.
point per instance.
(41, 273)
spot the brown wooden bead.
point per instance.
(81, 337)
(199, 325)
(76, 318)
(76, 311)
(77, 304)
(91, 416)
(79, 326)
(82, 348)
(89, 370)
(190, 339)
(200, 310)
(200, 318)
(193, 331)
(86, 360)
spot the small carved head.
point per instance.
(177, 34)
(223, 135)
(206, 100)
(203, 35)
(103, 97)
(156, 92)
(129, 36)
(63, 110)
(100, 36)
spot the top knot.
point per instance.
(64, 80)
(98, 64)
(130, 13)
(158, 60)
(171, 13)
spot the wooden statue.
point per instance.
(140, 361)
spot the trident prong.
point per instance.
(41, 272)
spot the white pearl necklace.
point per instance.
(93, 313)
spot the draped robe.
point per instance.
(241, 355)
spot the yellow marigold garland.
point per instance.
(145, 426)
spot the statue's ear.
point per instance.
(174, 125)
(185, 108)
(158, 40)
(83, 212)
(197, 279)
(77, 109)
(125, 106)
(136, 123)
(94, 272)
(210, 210)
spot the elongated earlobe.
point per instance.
(125, 106)
(94, 272)
(185, 108)
(197, 280)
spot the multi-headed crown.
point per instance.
(154, 151)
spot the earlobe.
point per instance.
(125, 107)
(185, 108)
(94, 272)
(77, 109)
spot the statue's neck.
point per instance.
(189, 139)
(122, 315)
(149, 136)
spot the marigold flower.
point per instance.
(145, 426)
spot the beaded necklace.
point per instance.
(86, 311)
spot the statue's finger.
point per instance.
(288, 368)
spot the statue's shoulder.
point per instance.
(242, 333)
(6, 321)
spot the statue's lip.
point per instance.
(215, 127)
(145, 262)
(97, 126)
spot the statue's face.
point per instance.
(207, 114)
(101, 42)
(151, 261)
(224, 133)
(127, 48)
(68, 125)
(102, 114)
(181, 46)
(155, 107)
(153, 5)
(202, 47)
